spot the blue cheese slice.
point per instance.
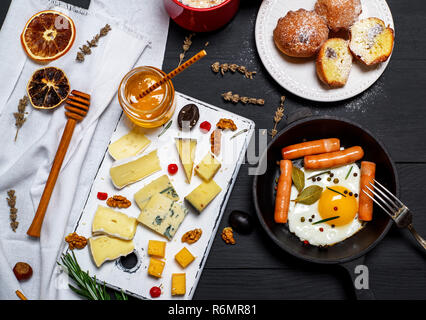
(128, 171)
(113, 223)
(104, 248)
(161, 185)
(162, 215)
(129, 145)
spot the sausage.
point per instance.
(282, 200)
(368, 173)
(310, 147)
(333, 159)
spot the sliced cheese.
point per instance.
(186, 149)
(113, 223)
(104, 248)
(208, 167)
(162, 215)
(128, 171)
(129, 145)
(161, 185)
(201, 196)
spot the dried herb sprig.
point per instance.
(20, 115)
(86, 48)
(225, 67)
(279, 114)
(235, 98)
(186, 46)
(11, 201)
(88, 286)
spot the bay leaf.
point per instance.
(298, 178)
(309, 195)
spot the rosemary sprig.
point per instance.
(336, 191)
(165, 128)
(319, 174)
(87, 286)
(347, 176)
(325, 220)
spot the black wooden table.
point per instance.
(394, 109)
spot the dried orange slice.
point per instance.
(48, 35)
(48, 88)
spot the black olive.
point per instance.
(241, 222)
(129, 261)
(188, 116)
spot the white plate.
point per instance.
(136, 281)
(298, 75)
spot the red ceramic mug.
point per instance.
(201, 19)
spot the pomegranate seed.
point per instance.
(205, 126)
(102, 195)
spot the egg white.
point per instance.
(309, 232)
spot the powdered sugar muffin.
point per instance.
(300, 33)
(334, 62)
(371, 41)
(339, 14)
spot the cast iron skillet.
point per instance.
(350, 252)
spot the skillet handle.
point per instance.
(358, 272)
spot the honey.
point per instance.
(152, 110)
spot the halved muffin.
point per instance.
(371, 41)
(334, 62)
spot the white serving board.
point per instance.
(137, 282)
(298, 75)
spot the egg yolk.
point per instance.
(340, 203)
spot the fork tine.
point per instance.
(376, 202)
(389, 200)
(379, 197)
(388, 192)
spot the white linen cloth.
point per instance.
(25, 164)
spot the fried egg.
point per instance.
(341, 187)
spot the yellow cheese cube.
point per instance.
(208, 167)
(201, 196)
(157, 248)
(156, 267)
(178, 284)
(184, 257)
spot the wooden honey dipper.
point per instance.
(77, 105)
(174, 73)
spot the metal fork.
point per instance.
(398, 212)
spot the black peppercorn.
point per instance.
(336, 181)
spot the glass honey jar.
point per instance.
(152, 110)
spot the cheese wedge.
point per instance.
(201, 196)
(129, 145)
(104, 248)
(208, 167)
(128, 171)
(186, 149)
(162, 215)
(161, 185)
(113, 223)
